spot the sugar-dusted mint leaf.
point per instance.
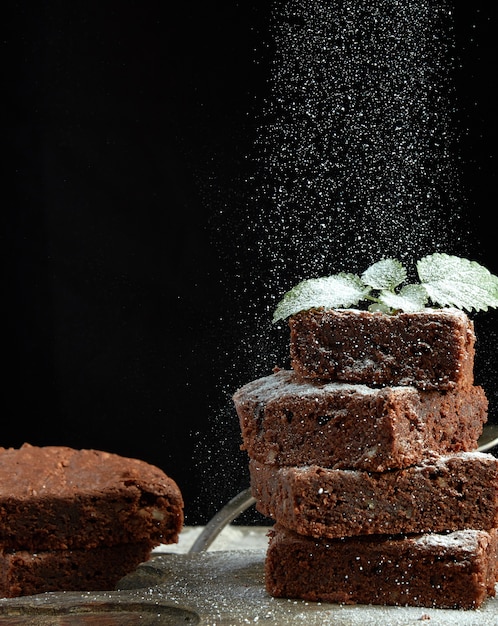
(457, 282)
(337, 291)
(385, 274)
(411, 298)
(445, 280)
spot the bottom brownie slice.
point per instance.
(456, 570)
(98, 569)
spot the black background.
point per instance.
(124, 125)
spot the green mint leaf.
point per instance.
(411, 298)
(452, 281)
(445, 280)
(385, 274)
(337, 291)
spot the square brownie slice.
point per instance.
(454, 570)
(97, 569)
(451, 492)
(285, 420)
(59, 498)
(430, 349)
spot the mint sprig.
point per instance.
(445, 281)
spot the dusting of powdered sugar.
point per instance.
(285, 383)
(467, 540)
(355, 156)
(443, 459)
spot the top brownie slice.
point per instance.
(430, 349)
(59, 498)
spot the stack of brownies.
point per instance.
(365, 455)
(79, 520)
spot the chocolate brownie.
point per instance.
(286, 420)
(59, 498)
(97, 569)
(454, 571)
(430, 349)
(450, 492)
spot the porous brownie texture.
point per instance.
(430, 349)
(455, 570)
(451, 492)
(286, 420)
(59, 498)
(97, 569)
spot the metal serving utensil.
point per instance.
(224, 516)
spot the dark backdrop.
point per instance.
(124, 125)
